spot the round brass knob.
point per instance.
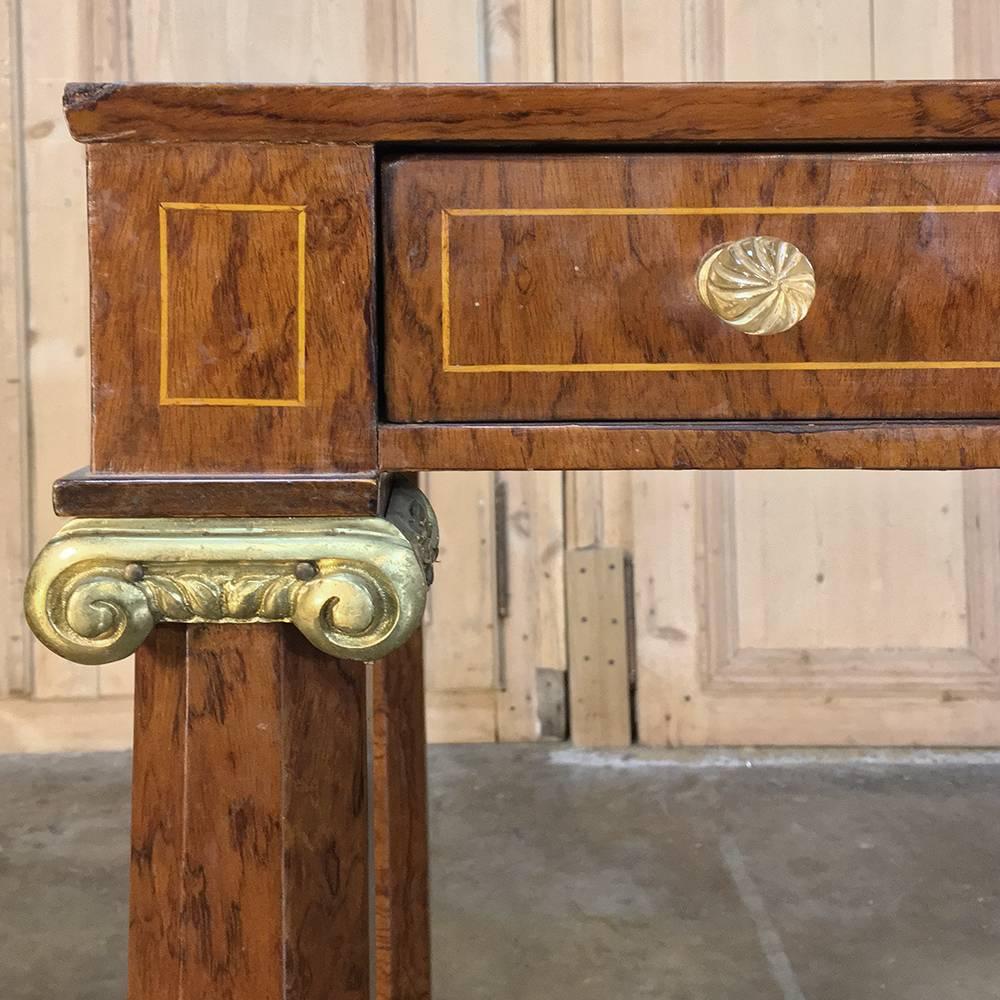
(760, 284)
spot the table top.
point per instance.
(965, 112)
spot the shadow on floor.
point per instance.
(560, 874)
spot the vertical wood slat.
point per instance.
(667, 570)
(249, 828)
(597, 609)
(461, 640)
(598, 513)
(919, 45)
(87, 41)
(534, 632)
(14, 647)
(519, 41)
(811, 40)
(976, 39)
(981, 501)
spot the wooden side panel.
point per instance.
(231, 302)
(223, 342)
(249, 842)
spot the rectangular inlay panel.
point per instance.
(232, 300)
(232, 304)
(588, 293)
(563, 287)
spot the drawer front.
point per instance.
(563, 287)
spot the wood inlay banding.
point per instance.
(232, 354)
(750, 211)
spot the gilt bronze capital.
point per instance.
(355, 587)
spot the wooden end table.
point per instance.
(301, 296)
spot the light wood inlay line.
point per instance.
(446, 295)
(182, 206)
(736, 210)
(642, 366)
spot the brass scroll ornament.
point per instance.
(760, 285)
(354, 587)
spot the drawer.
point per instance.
(574, 286)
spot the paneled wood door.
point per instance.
(798, 607)
(841, 608)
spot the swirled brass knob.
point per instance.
(760, 284)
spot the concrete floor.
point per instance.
(571, 876)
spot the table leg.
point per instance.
(250, 819)
(399, 793)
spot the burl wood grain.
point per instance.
(236, 336)
(249, 827)
(710, 444)
(477, 305)
(775, 113)
(238, 269)
(399, 812)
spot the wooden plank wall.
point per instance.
(491, 691)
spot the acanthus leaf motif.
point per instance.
(183, 597)
(266, 597)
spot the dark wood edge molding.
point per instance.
(874, 444)
(854, 112)
(92, 494)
